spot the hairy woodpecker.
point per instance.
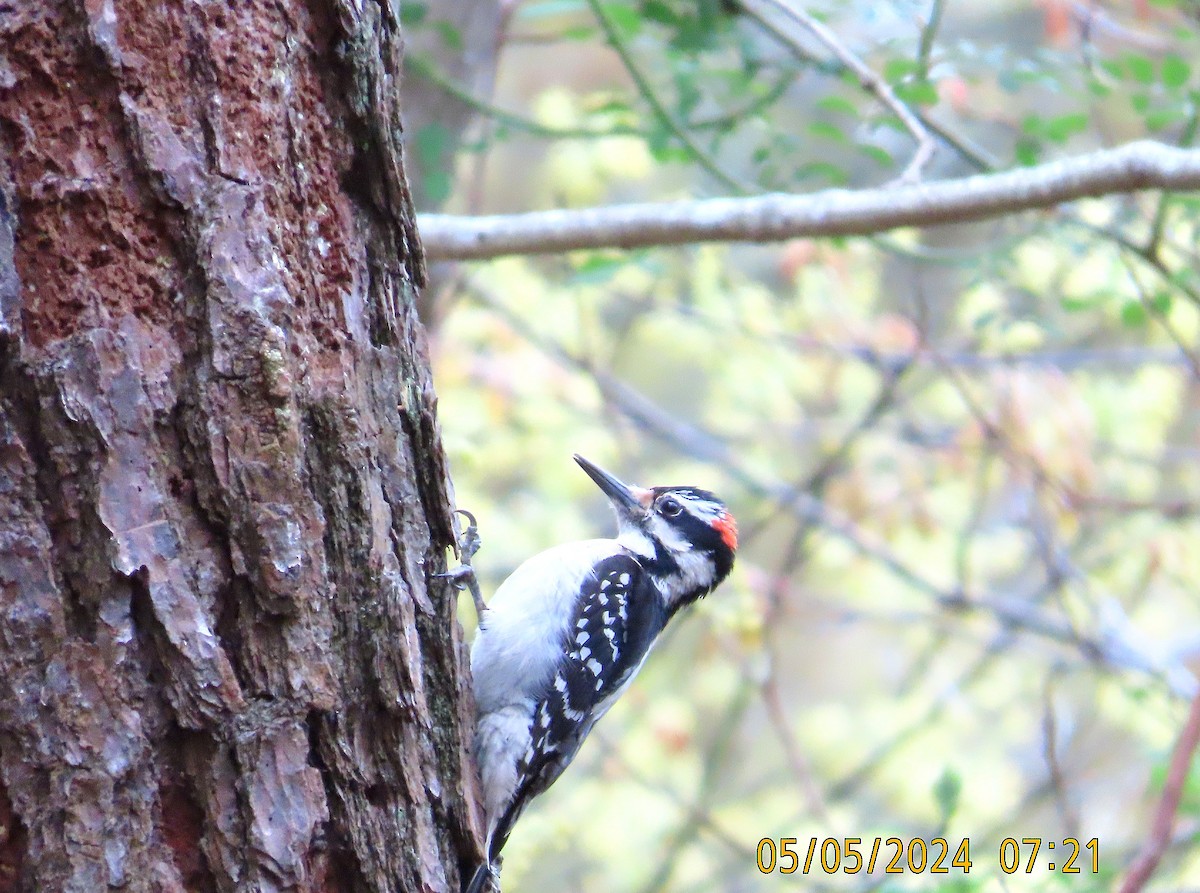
(565, 634)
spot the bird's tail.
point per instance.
(479, 879)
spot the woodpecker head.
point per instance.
(684, 537)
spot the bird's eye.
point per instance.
(670, 507)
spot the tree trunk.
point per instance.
(222, 490)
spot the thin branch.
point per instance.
(1154, 240)
(677, 129)
(928, 36)
(1111, 647)
(1054, 766)
(976, 156)
(712, 761)
(1164, 818)
(871, 82)
(533, 127)
(1164, 320)
(837, 212)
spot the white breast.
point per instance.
(520, 642)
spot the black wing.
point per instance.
(618, 618)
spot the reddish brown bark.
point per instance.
(222, 491)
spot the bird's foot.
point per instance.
(463, 576)
(468, 540)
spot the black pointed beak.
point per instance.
(629, 500)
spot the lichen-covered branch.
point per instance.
(1133, 167)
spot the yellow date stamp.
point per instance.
(916, 855)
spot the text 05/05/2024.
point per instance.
(894, 855)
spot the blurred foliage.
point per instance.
(964, 460)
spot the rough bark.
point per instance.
(222, 491)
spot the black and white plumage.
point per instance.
(565, 635)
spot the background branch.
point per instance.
(871, 82)
(1164, 817)
(838, 212)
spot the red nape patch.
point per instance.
(727, 527)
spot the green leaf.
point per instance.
(625, 19)
(837, 104)
(1114, 68)
(1061, 128)
(450, 35)
(689, 95)
(1161, 119)
(1076, 303)
(1139, 67)
(413, 14)
(918, 93)
(946, 792)
(610, 105)
(1133, 314)
(1175, 72)
(430, 142)
(438, 185)
(881, 156)
(695, 34)
(827, 131)
(657, 11)
(579, 33)
(896, 70)
(432, 145)
(597, 269)
(825, 170)
(1027, 151)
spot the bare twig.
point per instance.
(871, 82)
(1164, 320)
(1164, 817)
(713, 760)
(1136, 166)
(1054, 766)
(928, 36)
(676, 128)
(517, 121)
(771, 695)
(1111, 647)
(976, 156)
